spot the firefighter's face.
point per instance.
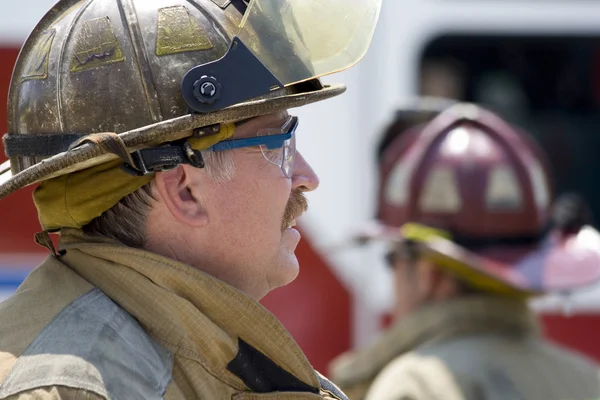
(419, 282)
(240, 230)
(407, 287)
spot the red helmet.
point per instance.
(411, 112)
(476, 193)
(410, 116)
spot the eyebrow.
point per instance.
(243, 121)
(272, 125)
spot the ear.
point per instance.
(174, 189)
(437, 284)
(425, 279)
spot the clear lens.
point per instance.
(282, 156)
(289, 153)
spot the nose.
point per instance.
(303, 176)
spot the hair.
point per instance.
(126, 220)
(410, 252)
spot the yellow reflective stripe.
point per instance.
(462, 270)
(422, 233)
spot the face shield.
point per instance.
(281, 43)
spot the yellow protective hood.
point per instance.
(74, 200)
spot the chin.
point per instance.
(286, 272)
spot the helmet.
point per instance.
(410, 117)
(411, 113)
(151, 72)
(475, 194)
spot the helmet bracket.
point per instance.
(222, 83)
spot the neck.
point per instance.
(437, 322)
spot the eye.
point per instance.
(272, 155)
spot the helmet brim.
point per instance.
(89, 155)
(556, 264)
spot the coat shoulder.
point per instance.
(96, 346)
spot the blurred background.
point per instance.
(537, 63)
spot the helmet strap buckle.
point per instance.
(164, 158)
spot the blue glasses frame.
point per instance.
(271, 142)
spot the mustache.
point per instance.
(297, 204)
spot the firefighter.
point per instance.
(464, 202)
(165, 158)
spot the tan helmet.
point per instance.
(151, 71)
(474, 192)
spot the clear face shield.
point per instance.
(281, 43)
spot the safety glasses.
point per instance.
(278, 146)
(408, 250)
